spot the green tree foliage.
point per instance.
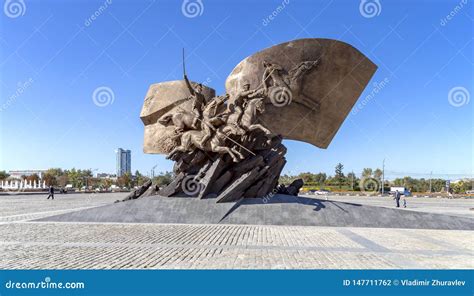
(78, 178)
(320, 178)
(339, 175)
(462, 186)
(164, 178)
(353, 181)
(140, 179)
(378, 174)
(125, 180)
(3, 175)
(32, 178)
(56, 172)
(307, 177)
(420, 185)
(367, 173)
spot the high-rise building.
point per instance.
(124, 160)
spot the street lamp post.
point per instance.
(431, 173)
(383, 176)
(352, 181)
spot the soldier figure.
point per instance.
(241, 99)
(198, 101)
(211, 118)
(273, 72)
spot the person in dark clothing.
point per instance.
(397, 198)
(51, 192)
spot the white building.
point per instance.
(17, 174)
(124, 160)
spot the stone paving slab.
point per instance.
(140, 246)
(17, 207)
(74, 245)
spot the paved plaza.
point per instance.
(460, 207)
(57, 245)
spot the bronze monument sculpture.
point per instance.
(230, 147)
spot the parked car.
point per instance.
(322, 192)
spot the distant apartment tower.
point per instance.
(124, 160)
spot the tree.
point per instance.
(140, 179)
(32, 178)
(4, 175)
(284, 179)
(163, 178)
(125, 180)
(367, 173)
(339, 175)
(56, 172)
(462, 186)
(106, 183)
(352, 179)
(321, 178)
(378, 174)
(62, 180)
(74, 178)
(50, 180)
(78, 178)
(307, 177)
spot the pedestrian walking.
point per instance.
(51, 192)
(397, 198)
(404, 203)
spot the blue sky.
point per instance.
(54, 55)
